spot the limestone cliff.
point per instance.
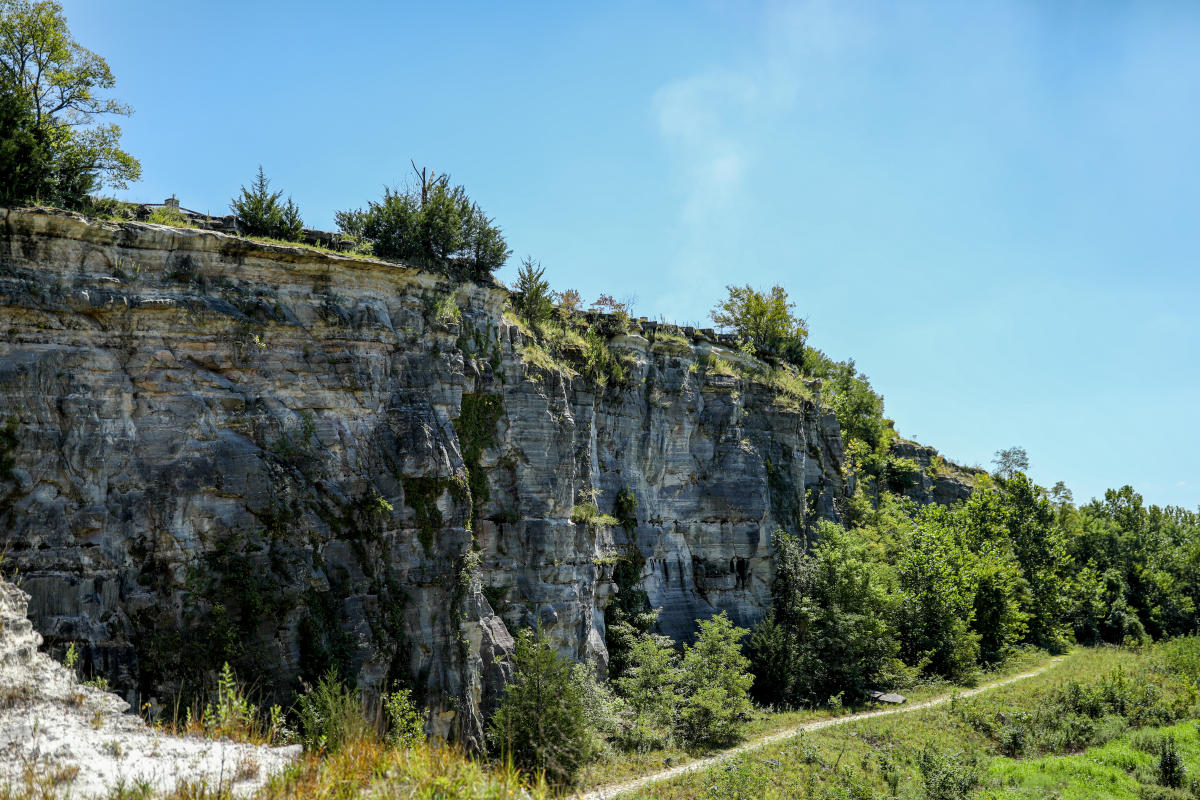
(216, 449)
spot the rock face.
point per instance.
(215, 449)
(938, 481)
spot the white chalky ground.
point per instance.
(80, 739)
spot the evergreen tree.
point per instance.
(715, 683)
(650, 688)
(261, 212)
(541, 724)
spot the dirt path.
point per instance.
(612, 790)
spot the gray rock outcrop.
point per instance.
(216, 449)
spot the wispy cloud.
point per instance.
(712, 124)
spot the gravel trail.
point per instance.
(613, 790)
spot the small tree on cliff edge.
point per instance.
(763, 322)
(261, 212)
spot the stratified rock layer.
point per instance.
(225, 450)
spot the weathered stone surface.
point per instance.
(941, 481)
(293, 460)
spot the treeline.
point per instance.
(918, 591)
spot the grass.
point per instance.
(1123, 769)
(627, 766)
(925, 751)
(367, 769)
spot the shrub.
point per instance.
(405, 728)
(947, 777)
(588, 514)
(169, 215)
(231, 715)
(1171, 771)
(260, 212)
(541, 724)
(715, 684)
(331, 715)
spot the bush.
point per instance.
(1171, 771)
(541, 724)
(715, 684)
(260, 212)
(405, 728)
(331, 715)
(435, 226)
(947, 777)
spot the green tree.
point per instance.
(1010, 461)
(650, 688)
(829, 631)
(532, 296)
(433, 224)
(715, 683)
(57, 84)
(937, 599)
(261, 212)
(541, 724)
(763, 322)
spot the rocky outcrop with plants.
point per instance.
(220, 450)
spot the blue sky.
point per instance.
(992, 207)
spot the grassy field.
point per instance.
(623, 766)
(1093, 722)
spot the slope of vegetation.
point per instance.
(1009, 742)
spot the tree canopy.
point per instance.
(53, 145)
(763, 322)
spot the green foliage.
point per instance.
(169, 215)
(937, 604)
(531, 298)
(331, 715)
(476, 429)
(625, 509)
(434, 225)
(261, 212)
(763, 322)
(405, 727)
(541, 724)
(1171, 771)
(422, 494)
(714, 682)
(649, 685)
(859, 409)
(588, 514)
(829, 631)
(53, 149)
(231, 715)
(947, 776)
(1011, 461)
